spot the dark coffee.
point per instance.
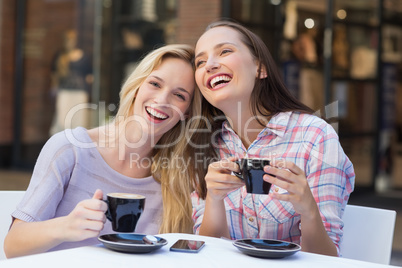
(124, 211)
(252, 172)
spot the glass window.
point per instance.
(75, 56)
(365, 12)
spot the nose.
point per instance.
(211, 65)
(162, 97)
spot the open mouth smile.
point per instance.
(218, 81)
(155, 114)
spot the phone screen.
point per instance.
(187, 245)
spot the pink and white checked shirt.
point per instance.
(311, 144)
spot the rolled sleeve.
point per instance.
(198, 211)
(331, 178)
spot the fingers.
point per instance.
(93, 225)
(98, 194)
(286, 171)
(225, 166)
(96, 203)
(286, 175)
(220, 180)
(91, 209)
(285, 166)
(91, 220)
(83, 223)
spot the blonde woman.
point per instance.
(63, 205)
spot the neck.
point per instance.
(135, 144)
(245, 125)
(130, 154)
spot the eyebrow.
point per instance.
(179, 88)
(216, 47)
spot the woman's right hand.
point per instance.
(219, 182)
(86, 220)
(219, 179)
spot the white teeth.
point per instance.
(155, 113)
(221, 78)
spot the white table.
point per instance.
(216, 253)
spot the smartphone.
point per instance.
(191, 246)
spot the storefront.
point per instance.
(342, 58)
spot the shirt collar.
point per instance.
(279, 123)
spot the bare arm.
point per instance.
(85, 221)
(219, 183)
(214, 221)
(315, 238)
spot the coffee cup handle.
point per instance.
(107, 212)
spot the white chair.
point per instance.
(8, 201)
(368, 234)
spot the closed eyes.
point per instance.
(155, 84)
(180, 96)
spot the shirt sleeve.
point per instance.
(331, 179)
(51, 175)
(198, 211)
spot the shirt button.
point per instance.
(251, 219)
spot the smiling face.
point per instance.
(163, 99)
(225, 69)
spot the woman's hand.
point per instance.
(291, 178)
(219, 183)
(86, 220)
(219, 179)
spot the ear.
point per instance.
(263, 72)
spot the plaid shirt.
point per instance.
(311, 144)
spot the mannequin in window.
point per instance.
(71, 81)
(304, 47)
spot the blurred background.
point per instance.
(342, 58)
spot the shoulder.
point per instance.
(311, 122)
(67, 141)
(311, 128)
(74, 136)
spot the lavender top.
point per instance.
(69, 169)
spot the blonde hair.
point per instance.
(180, 176)
(176, 182)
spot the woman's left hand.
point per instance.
(291, 178)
